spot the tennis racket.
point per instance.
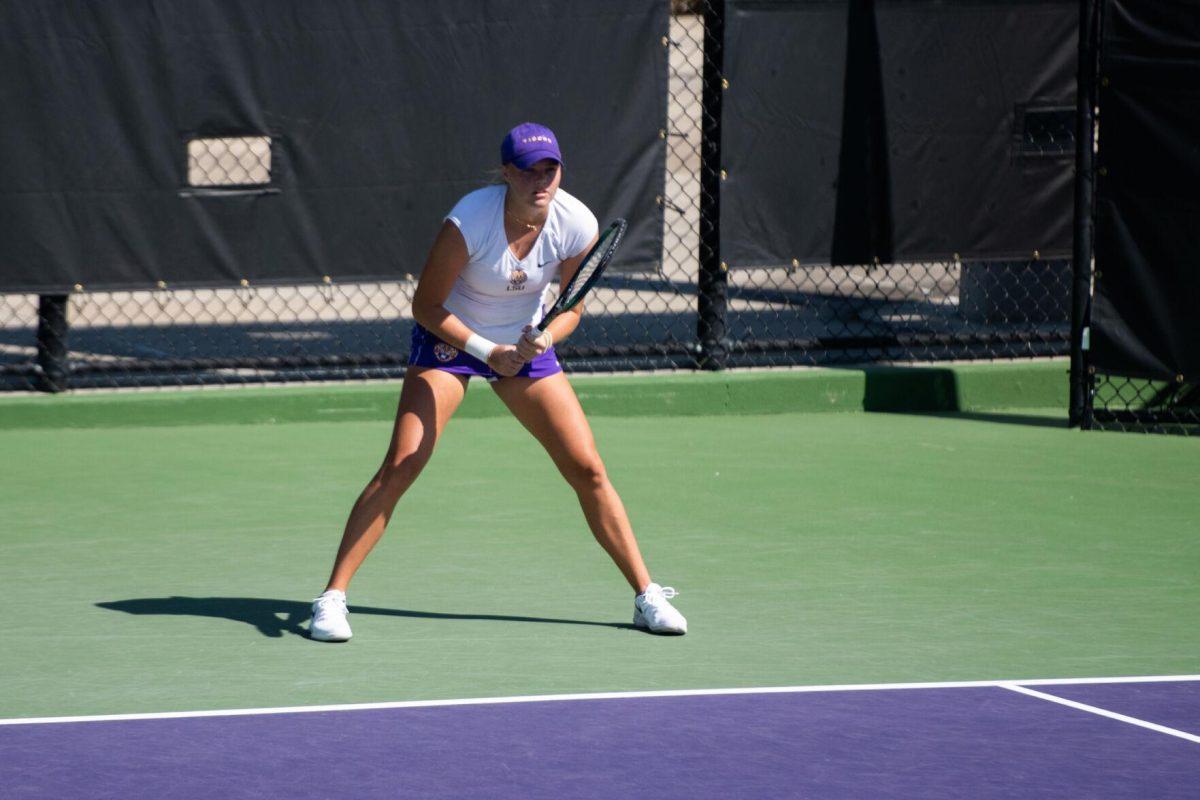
(588, 274)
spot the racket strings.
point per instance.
(580, 281)
(599, 256)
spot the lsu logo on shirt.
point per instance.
(516, 280)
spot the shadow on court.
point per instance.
(1002, 418)
(936, 392)
(278, 617)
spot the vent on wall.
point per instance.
(1045, 131)
(229, 162)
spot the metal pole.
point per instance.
(713, 279)
(52, 342)
(1080, 410)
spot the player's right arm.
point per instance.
(445, 263)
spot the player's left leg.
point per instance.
(550, 410)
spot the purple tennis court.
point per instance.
(940, 741)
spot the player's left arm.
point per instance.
(565, 323)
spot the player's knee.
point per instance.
(586, 474)
(401, 469)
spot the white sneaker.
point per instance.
(329, 618)
(653, 611)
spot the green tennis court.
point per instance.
(164, 560)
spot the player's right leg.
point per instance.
(428, 398)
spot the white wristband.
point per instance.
(480, 347)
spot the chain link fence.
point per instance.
(1148, 406)
(666, 318)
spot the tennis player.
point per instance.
(483, 286)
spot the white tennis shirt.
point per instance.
(498, 294)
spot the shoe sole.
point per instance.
(331, 639)
(640, 624)
(647, 629)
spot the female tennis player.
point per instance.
(482, 288)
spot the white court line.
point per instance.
(1103, 712)
(545, 698)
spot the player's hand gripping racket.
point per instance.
(588, 274)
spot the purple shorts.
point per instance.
(430, 351)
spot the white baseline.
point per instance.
(1013, 685)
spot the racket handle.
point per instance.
(532, 334)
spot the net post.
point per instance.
(1079, 413)
(52, 332)
(712, 281)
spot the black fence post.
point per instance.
(713, 279)
(52, 342)
(1079, 414)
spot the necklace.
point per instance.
(520, 221)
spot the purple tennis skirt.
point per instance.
(430, 351)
